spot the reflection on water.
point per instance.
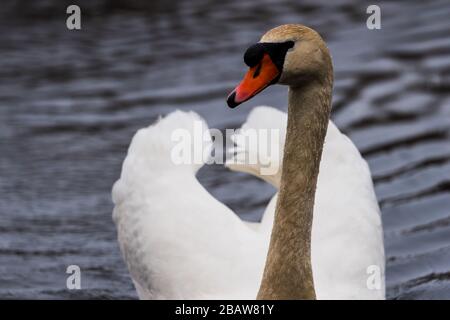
(71, 101)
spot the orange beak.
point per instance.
(256, 80)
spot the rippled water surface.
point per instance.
(71, 101)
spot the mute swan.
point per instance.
(179, 242)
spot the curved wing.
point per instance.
(177, 240)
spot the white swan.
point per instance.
(179, 242)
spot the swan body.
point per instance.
(320, 236)
(179, 242)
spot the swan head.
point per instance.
(292, 55)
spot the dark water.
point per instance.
(70, 102)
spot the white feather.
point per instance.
(179, 242)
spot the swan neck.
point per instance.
(288, 271)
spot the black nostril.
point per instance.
(257, 71)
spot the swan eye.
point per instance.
(276, 51)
